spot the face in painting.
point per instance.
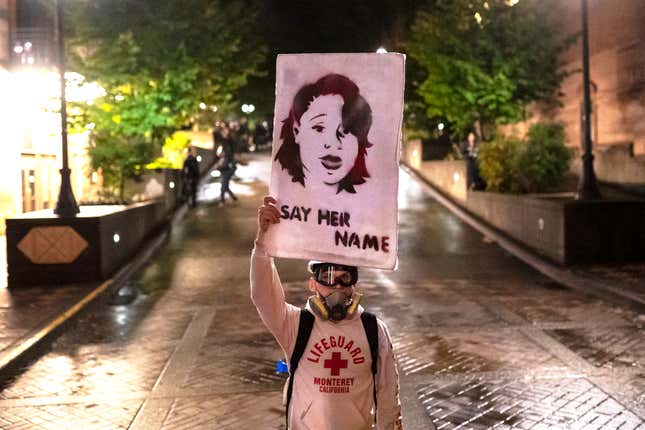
(327, 151)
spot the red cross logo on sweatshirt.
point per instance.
(335, 364)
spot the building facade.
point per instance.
(617, 69)
(30, 154)
(617, 66)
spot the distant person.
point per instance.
(259, 136)
(190, 173)
(235, 135)
(470, 150)
(227, 166)
(217, 135)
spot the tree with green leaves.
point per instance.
(485, 61)
(298, 26)
(157, 62)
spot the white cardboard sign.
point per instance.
(336, 145)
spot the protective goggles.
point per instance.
(330, 275)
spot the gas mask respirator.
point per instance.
(337, 305)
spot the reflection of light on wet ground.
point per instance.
(121, 315)
(382, 279)
(211, 192)
(248, 172)
(63, 367)
(410, 193)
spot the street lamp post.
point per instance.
(588, 187)
(66, 205)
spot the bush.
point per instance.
(496, 163)
(545, 159)
(530, 165)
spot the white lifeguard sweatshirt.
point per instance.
(332, 388)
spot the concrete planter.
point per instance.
(44, 249)
(565, 230)
(448, 176)
(556, 226)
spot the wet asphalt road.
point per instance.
(482, 340)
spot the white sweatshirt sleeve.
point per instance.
(267, 294)
(387, 384)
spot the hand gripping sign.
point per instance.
(336, 141)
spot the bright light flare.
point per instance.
(381, 50)
(78, 90)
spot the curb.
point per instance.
(559, 274)
(11, 358)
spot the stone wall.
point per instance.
(43, 249)
(4, 33)
(448, 176)
(617, 67)
(616, 164)
(537, 223)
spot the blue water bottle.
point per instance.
(281, 367)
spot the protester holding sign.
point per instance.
(341, 361)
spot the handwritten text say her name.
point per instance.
(336, 219)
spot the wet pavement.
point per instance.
(482, 340)
(24, 310)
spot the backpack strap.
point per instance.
(371, 331)
(305, 325)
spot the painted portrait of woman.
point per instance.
(324, 138)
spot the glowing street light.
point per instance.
(247, 109)
(441, 126)
(381, 50)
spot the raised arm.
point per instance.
(267, 293)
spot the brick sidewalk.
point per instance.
(25, 311)
(629, 277)
(482, 341)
